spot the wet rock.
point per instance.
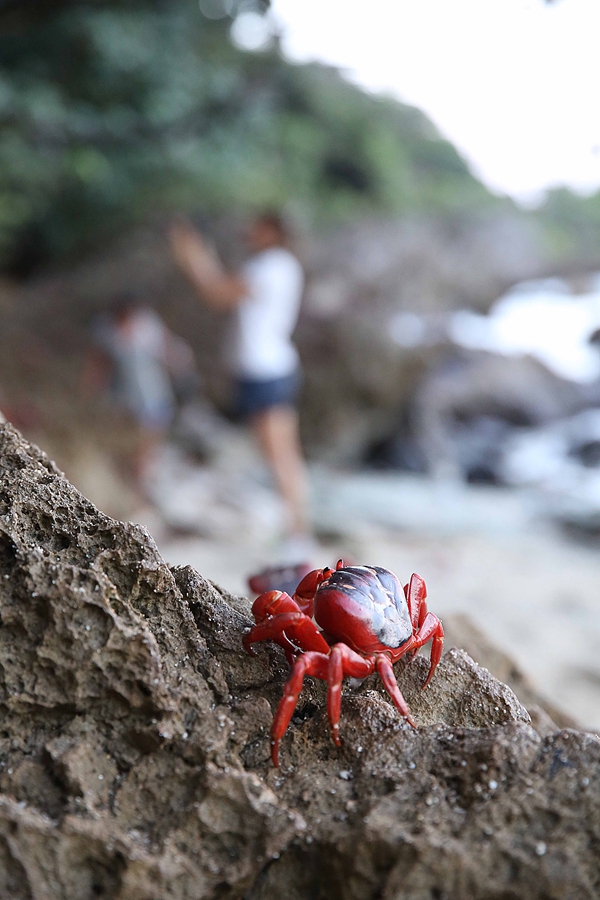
(134, 748)
(469, 404)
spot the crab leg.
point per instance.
(386, 673)
(297, 627)
(290, 650)
(309, 663)
(431, 628)
(416, 592)
(342, 661)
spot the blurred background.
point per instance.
(440, 165)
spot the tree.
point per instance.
(115, 111)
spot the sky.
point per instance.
(514, 84)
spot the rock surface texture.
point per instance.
(134, 748)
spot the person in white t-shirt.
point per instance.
(265, 301)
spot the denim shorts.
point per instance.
(254, 396)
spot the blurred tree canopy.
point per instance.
(115, 111)
(572, 223)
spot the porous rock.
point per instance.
(134, 749)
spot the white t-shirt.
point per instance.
(261, 339)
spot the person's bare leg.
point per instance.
(278, 435)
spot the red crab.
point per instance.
(367, 622)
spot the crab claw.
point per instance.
(306, 590)
(271, 604)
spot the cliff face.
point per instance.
(134, 749)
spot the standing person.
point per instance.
(265, 301)
(134, 360)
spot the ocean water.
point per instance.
(545, 319)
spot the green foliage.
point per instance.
(572, 223)
(116, 111)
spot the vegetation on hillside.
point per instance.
(115, 111)
(571, 224)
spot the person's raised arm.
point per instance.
(199, 263)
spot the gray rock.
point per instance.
(546, 716)
(134, 749)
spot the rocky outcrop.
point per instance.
(134, 749)
(546, 716)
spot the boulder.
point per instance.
(134, 744)
(460, 630)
